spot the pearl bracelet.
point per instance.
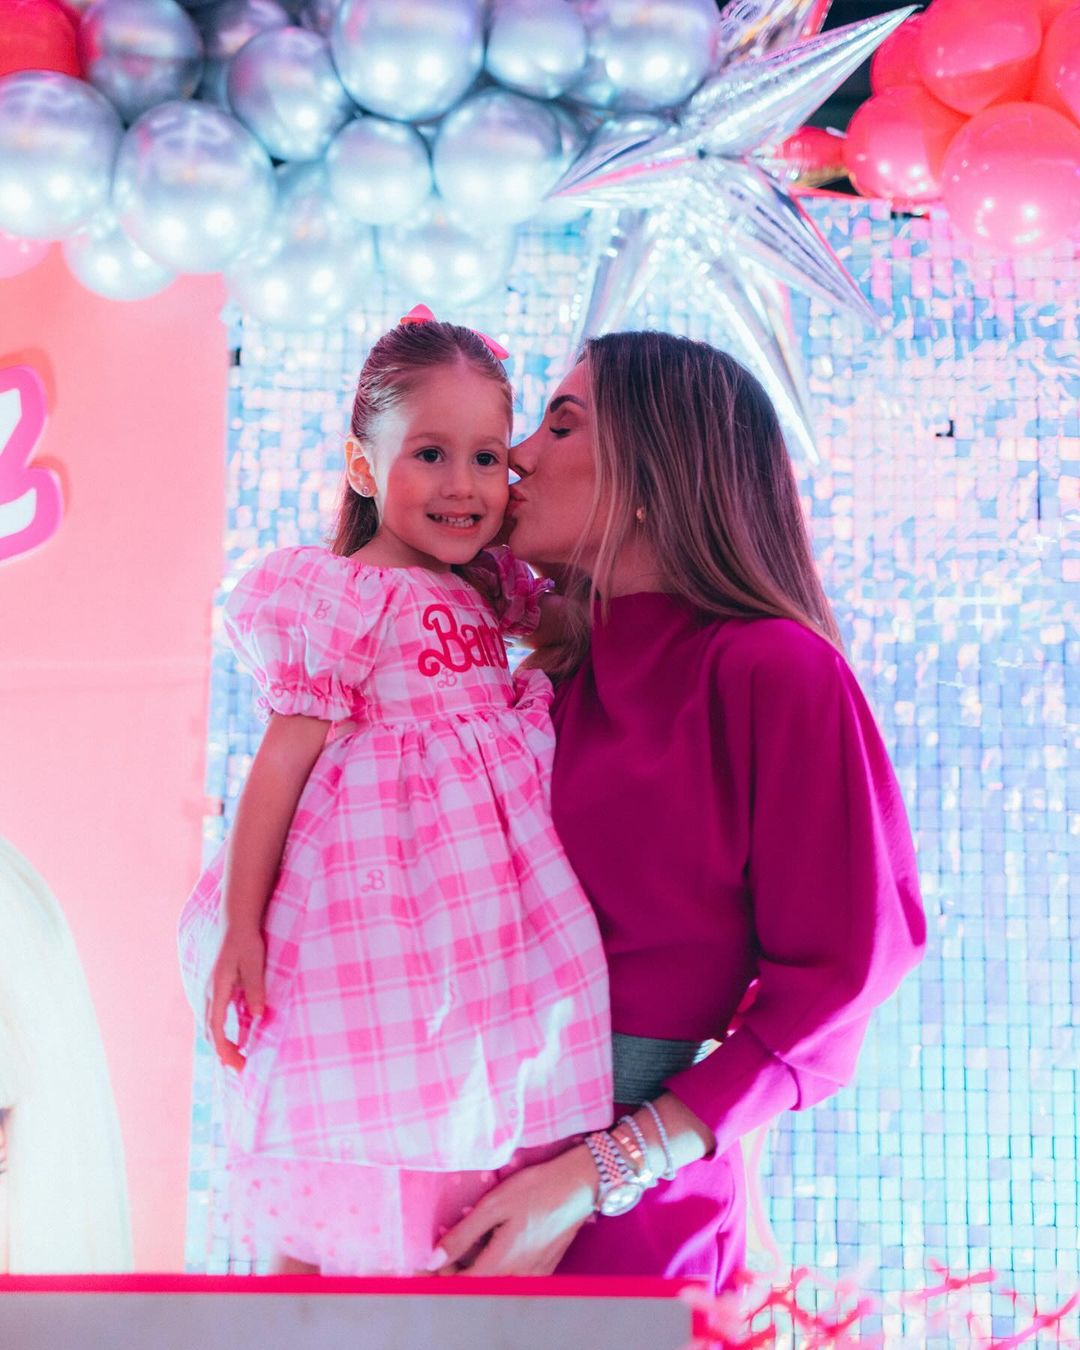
(627, 1134)
(668, 1173)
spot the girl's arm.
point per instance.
(525, 1225)
(289, 749)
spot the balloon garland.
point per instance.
(976, 104)
(298, 145)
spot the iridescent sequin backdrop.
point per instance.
(945, 517)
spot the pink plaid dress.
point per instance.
(435, 982)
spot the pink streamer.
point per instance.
(728, 1320)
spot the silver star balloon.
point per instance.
(754, 27)
(696, 193)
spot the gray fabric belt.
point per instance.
(642, 1063)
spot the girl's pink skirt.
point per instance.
(352, 1220)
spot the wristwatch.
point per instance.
(620, 1188)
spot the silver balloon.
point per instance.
(624, 248)
(757, 27)
(764, 99)
(379, 171)
(58, 143)
(109, 263)
(225, 29)
(631, 139)
(435, 258)
(689, 190)
(318, 15)
(192, 187)
(140, 53)
(748, 107)
(283, 87)
(767, 226)
(228, 26)
(537, 47)
(562, 210)
(646, 53)
(212, 85)
(408, 59)
(756, 335)
(308, 266)
(496, 157)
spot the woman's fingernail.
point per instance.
(438, 1257)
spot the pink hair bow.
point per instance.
(421, 314)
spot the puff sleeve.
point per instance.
(517, 591)
(304, 622)
(832, 881)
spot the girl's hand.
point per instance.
(524, 1225)
(239, 969)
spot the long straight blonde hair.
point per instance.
(688, 437)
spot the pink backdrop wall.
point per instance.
(104, 652)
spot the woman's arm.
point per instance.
(837, 923)
(525, 1225)
(289, 749)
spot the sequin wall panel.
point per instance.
(944, 513)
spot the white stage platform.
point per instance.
(148, 1312)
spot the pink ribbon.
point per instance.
(421, 314)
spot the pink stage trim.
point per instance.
(508, 1286)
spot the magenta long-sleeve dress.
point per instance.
(723, 794)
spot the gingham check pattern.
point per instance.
(436, 985)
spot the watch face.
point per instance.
(619, 1198)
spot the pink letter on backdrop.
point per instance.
(30, 500)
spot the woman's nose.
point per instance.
(523, 456)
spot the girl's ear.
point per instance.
(357, 468)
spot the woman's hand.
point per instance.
(239, 969)
(524, 1225)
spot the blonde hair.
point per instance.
(687, 436)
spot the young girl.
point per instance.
(419, 980)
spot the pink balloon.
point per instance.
(972, 53)
(1057, 81)
(19, 255)
(896, 143)
(893, 63)
(1011, 177)
(1048, 10)
(815, 153)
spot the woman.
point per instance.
(722, 792)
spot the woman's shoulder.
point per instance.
(774, 653)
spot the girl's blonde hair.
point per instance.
(687, 436)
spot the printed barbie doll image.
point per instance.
(63, 1193)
